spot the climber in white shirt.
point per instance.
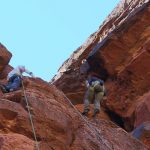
(14, 79)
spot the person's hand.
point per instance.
(31, 74)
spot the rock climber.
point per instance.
(14, 79)
(95, 88)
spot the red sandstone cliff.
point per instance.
(120, 52)
(57, 125)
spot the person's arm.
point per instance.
(29, 72)
(87, 83)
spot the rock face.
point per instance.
(120, 52)
(142, 132)
(112, 47)
(57, 124)
(5, 56)
(15, 142)
(142, 110)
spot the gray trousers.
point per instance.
(96, 92)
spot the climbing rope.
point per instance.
(88, 124)
(30, 115)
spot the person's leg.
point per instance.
(14, 85)
(88, 97)
(10, 82)
(97, 100)
(99, 93)
(8, 86)
(5, 88)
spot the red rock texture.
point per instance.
(57, 124)
(142, 110)
(142, 132)
(5, 56)
(15, 142)
(120, 52)
(114, 52)
(5, 72)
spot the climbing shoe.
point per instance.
(85, 112)
(96, 111)
(11, 90)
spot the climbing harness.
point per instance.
(30, 115)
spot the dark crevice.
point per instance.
(115, 118)
(97, 65)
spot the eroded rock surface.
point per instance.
(5, 56)
(120, 52)
(57, 124)
(142, 132)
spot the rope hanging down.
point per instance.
(89, 124)
(30, 116)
